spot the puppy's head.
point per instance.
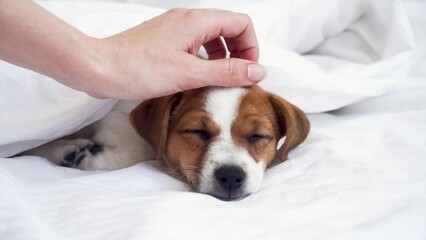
(221, 139)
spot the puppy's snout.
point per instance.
(230, 177)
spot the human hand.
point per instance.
(155, 58)
(158, 57)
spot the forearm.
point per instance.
(33, 38)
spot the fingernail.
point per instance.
(255, 73)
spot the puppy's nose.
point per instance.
(230, 177)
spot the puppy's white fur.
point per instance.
(121, 145)
(222, 105)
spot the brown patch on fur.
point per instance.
(293, 123)
(186, 150)
(265, 114)
(151, 120)
(257, 117)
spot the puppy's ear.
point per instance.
(151, 121)
(293, 124)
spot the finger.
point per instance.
(215, 49)
(232, 48)
(228, 72)
(244, 45)
(236, 28)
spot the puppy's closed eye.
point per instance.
(201, 133)
(257, 137)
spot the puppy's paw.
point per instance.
(77, 151)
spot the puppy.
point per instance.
(219, 140)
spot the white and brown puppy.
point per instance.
(220, 140)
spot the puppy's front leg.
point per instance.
(67, 152)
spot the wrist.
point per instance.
(87, 67)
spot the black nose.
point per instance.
(230, 177)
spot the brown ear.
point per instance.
(151, 121)
(293, 123)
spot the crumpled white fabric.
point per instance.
(330, 54)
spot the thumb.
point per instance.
(231, 72)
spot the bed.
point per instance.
(357, 67)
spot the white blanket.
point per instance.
(361, 174)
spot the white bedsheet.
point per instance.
(361, 174)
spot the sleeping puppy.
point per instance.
(219, 140)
